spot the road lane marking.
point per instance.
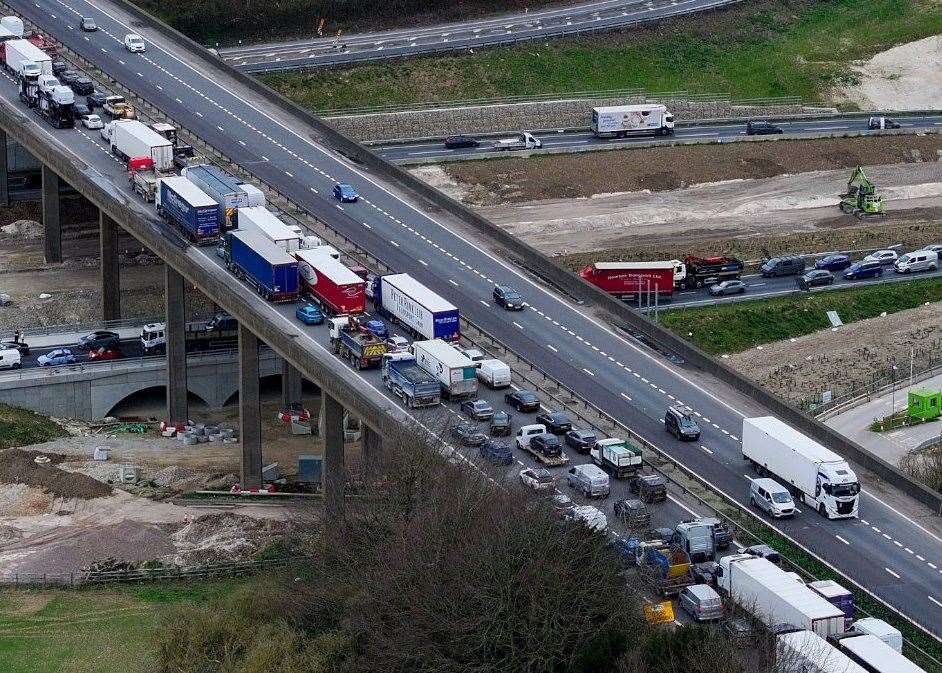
(935, 601)
(706, 449)
(518, 325)
(587, 372)
(892, 573)
(842, 540)
(626, 397)
(552, 348)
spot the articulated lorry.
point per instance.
(130, 138)
(874, 654)
(230, 192)
(405, 379)
(628, 280)
(331, 284)
(262, 264)
(356, 344)
(402, 299)
(183, 204)
(619, 457)
(266, 223)
(456, 374)
(807, 652)
(56, 105)
(26, 63)
(699, 271)
(623, 120)
(774, 597)
(820, 477)
(196, 335)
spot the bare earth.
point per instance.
(907, 77)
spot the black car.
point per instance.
(468, 434)
(21, 346)
(634, 513)
(581, 440)
(497, 452)
(680, 424)
(522, 400)
(546, 444)
(68, 77)
(459, 142)
(835, 262)
(82, 85)
(764, 551)
(508, 297)
(96, 99)
(500, 424)
(815, 278)
(762, 128)
(79, 110)
(88, 24)
(555, 421)
(99, 339)
(705, 572)
(649, 487)
(59, 67)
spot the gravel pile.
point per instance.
(19, 467)
(175, 476)
(22, 500)
(214, 538)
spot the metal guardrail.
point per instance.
(49, 330)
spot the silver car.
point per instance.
(701, 602)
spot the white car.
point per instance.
(591, 516)
(885, 257)
(934, 247)
(92, 122)
(134, 43)
(472, 354)
(397, 344)
(539, 479)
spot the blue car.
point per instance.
(871, 269)
(496, 452)
(377, 327)
(837, 262)
(60, 356)
(345, 193)
(309, 314)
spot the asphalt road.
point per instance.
(434, 150)
(457, 36)
(885, 550)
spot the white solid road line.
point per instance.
(935, 601)
(892, 573)
(552, 348)
(842, 540)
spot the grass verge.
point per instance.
(756, 49)
(20, 427)
(737, 326)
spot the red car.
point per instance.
(104, 354)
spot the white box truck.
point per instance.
(265, 222)
(875, 655)
(807, 652)
(622, 120)
(817, 475)
(455, 372)
(402, 298)
(18, 52)
(767, 592)
(131, 139)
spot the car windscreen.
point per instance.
(781, 498)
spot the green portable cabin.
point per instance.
(925, 404)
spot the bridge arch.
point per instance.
(152, 396)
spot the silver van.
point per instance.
(10, 358)
(771, 497)
(591, 479)
(920, 260)
(701, 602)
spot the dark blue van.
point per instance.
(864, 270)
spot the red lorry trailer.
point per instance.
(335, 287)
(626, 280)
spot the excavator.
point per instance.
(861, 198)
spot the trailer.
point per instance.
(817, 475)
(807, 652)
(767, 592)
(56, 105)
(619, 121)
(267, 224)
(651, 281)
(402, 299)
(875, 655)
(353, 342)
(230, 192)
(619, 457)
(699, 271)
(455, 372)
(262, 264)
(131, 139)
(405, 379)
(196, 337)
(331, 284)
(837, 596)
(666, 569)
(182, 203)
(16, 53)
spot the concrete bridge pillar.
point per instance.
(290, 385)
(334, 474)
(250, 420)
(175, 332)
(4, 170)
(51, 219)
(110, 270)
(372, 446)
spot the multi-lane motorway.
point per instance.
(495, 30)
(580, 140)
(886, 550)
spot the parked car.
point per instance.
(726, 287)
(96, 99)
(397, 344)
(508, 297)
(815, 278)
(705, 572)
(539, 479)
(633, 513)
(479, 410)
(309, 314)
(88, 24)
(790, 265)
(866, 269)
(764, 551)
(468, 434)
(134, 43)
(581, 440)
(701, 602)
(918, 260)
(771, 497)
(378, 328)
(885, 257)
(680, 423)
(649, 487)
(82, 85)
(60, 356)
(546, 444)
(20, 346)
(98, 339)
(522, 400)
(762, 128)
(555, 421)
(500, 424)
(498, 453)
(460, 142)
(100, 354)
(345, 193)
(836, 262)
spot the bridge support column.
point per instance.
(290, 385)
(4, 170)
(372, 446)
(108, 264)
(175, 332)
(334, 472)
(51, 220)
(250, 421)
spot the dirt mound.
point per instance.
(223, 537)
(22, 500)
(19, 467)
(176, 476)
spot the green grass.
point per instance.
(737, 326)
(19, 427)
(90, 631)
(758, 49)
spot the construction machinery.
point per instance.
(861, 198)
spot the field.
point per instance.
(756, 49)
(19, 427)
(738, 326)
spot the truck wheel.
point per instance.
(822, 511)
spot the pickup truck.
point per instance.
(118, 108)
(665, 568)
(522, 141)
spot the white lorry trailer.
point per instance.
(767, 592)
(266, 223)
(875, 655)
(807, 652)
(18, 52)
(455, 372)
(623, 120)
(818, 476)
(401, 298)
(131, 139)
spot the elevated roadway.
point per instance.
(601, 364)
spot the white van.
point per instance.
(10, 359)
(493, 373)
(771, 497)
(590, 479)
(591, 516)
(528, 432)
(920, 260)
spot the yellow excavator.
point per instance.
(861, 198)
